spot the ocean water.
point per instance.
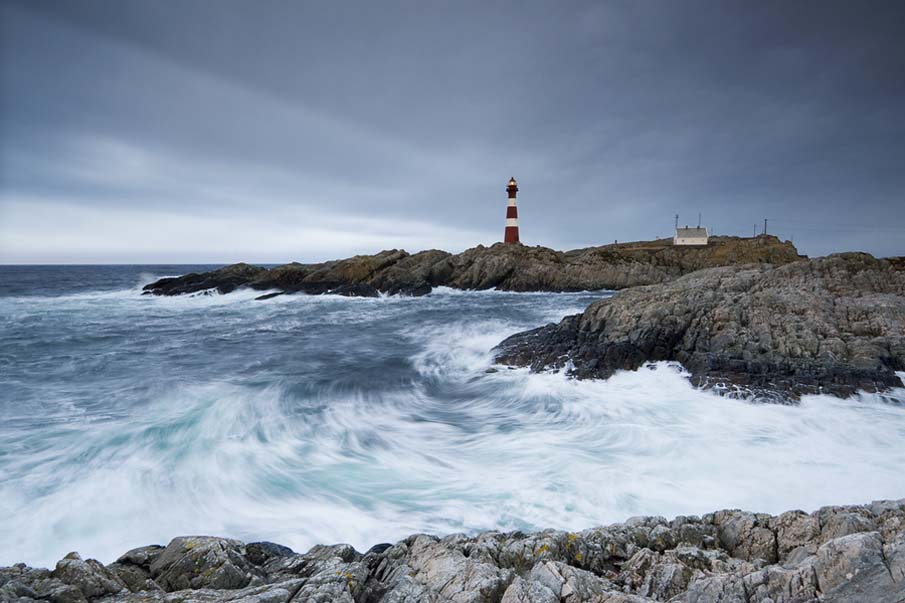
(127, 420)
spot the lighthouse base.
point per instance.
(511, 235)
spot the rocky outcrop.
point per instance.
(845, 554)
(832, 325)
(506, 267)
(897, 262)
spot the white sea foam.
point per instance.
(544, 451)
(282, 434)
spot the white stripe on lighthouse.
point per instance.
(511, 222)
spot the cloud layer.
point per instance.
(270, 131)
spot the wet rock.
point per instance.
(222, 280)
(267, 296)
(832, 325)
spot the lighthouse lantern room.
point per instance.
(511, 234)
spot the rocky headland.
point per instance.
(843, 554)
(505, 267)
(827, 325)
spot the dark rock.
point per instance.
(269, 295)
(13, 589)
(134, 568)
(378, 548)
(505, 267)
(224, 280)
(260, 553)
(58, 592)
(832, 325)
(355, 290)
(142, 556)
(90, 577)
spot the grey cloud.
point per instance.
(614, 116)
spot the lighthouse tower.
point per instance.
(511, 235)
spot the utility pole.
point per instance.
(699, 219)
(677, 221)
(765, 226)
(755, 231)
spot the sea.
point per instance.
(128, 419)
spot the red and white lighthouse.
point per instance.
(511, 235)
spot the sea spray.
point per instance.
(130, 419)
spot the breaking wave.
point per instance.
(128, 420)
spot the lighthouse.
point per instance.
(511, 235)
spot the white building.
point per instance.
(690, 236)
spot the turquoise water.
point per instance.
(129, 419)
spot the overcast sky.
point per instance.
(189, 131)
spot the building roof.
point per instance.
(691, 232)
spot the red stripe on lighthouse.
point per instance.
(511, 233)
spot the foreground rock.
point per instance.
(832, 325)
(505, 267)
(849, 554)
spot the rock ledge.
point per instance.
(827, 325)
(841, 554)
(505, 267)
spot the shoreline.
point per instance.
(844, 553)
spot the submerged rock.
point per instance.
(505, 267)
(828, 325)
(728, 556)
